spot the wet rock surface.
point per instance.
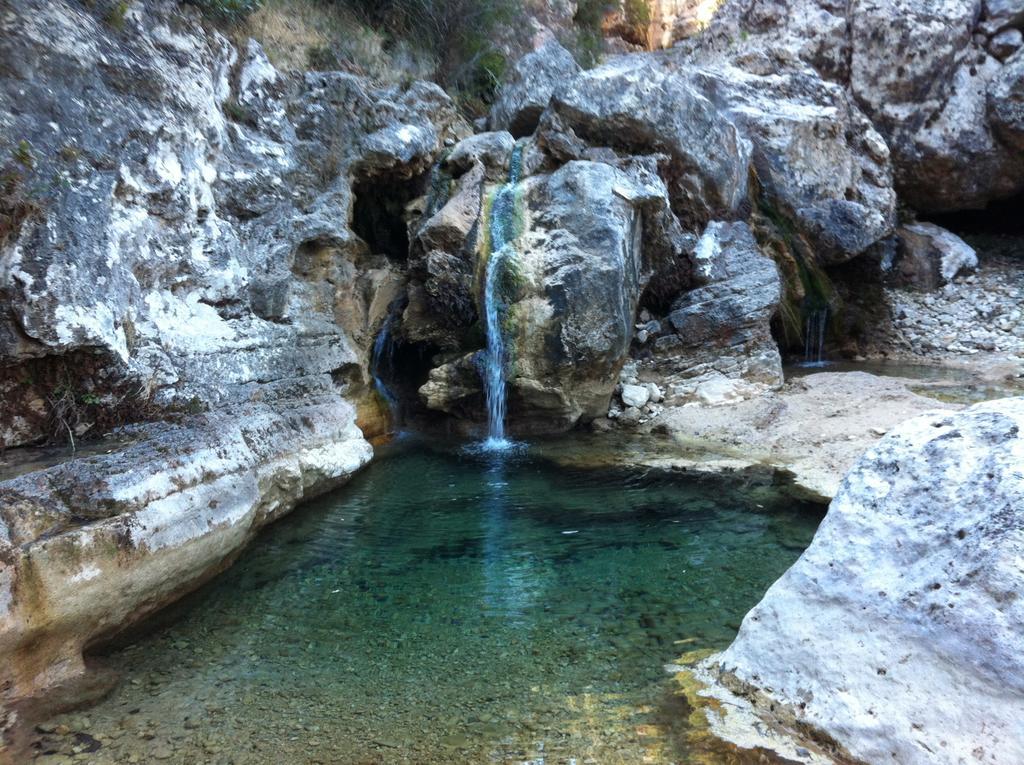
(904, 600)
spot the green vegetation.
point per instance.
(227, 10)
(457, 43)
(460, 35)
(806, 288)
(589, 43)
(116, 13)
(235, 112)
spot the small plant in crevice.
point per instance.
(116, 14)
(82, 396)
(21, 195)
(235, 112)
(461, 35)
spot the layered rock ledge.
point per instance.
(91, 546)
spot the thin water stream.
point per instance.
(454, 607)
(502, 234)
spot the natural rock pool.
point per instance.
(454, 607)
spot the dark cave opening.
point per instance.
(379, 213)
(402, 368)
(1004, 217)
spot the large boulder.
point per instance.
(192, 230)
(634, 106)
(581, 267)
(899, 634)
(818, 161)
(929, 256)
(920, 71)
(590, 238)
(718, 345)
(94, 545)
(529, 86)
(1006, 102)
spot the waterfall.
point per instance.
(502, 232)
(814, 338)
(382, 362)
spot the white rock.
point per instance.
(931, 256)
(635, 395)
(655, 393)
(900, 631)
(722, 390)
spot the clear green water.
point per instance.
(446, 607)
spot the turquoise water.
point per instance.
(459, 608)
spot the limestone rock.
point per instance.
(492, 150)
(1004, 12)
(1004, 44)
(635, 395)
(722, 328)
(454, 388)
(195, 239)
(633, 106)
(105, 540)
(817, 158)
(918, 70)
(590, 238)
(1006, 102)
(930, 256)
(898, 632)
(533, 79)
(580, 262)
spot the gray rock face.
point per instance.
(589, 236)
(191, 245)
(575, 282)
(633, 106)
(532, 81)
(1006, 102)
(1004, 13)
(919, 71)
(898, 632)
(582, 271)
(1005, 43)
(722, 348)
(929, 256)
(817, 158)
(194, 235)
(96, 544)
(491, 150)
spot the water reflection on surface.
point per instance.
(455, 606)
